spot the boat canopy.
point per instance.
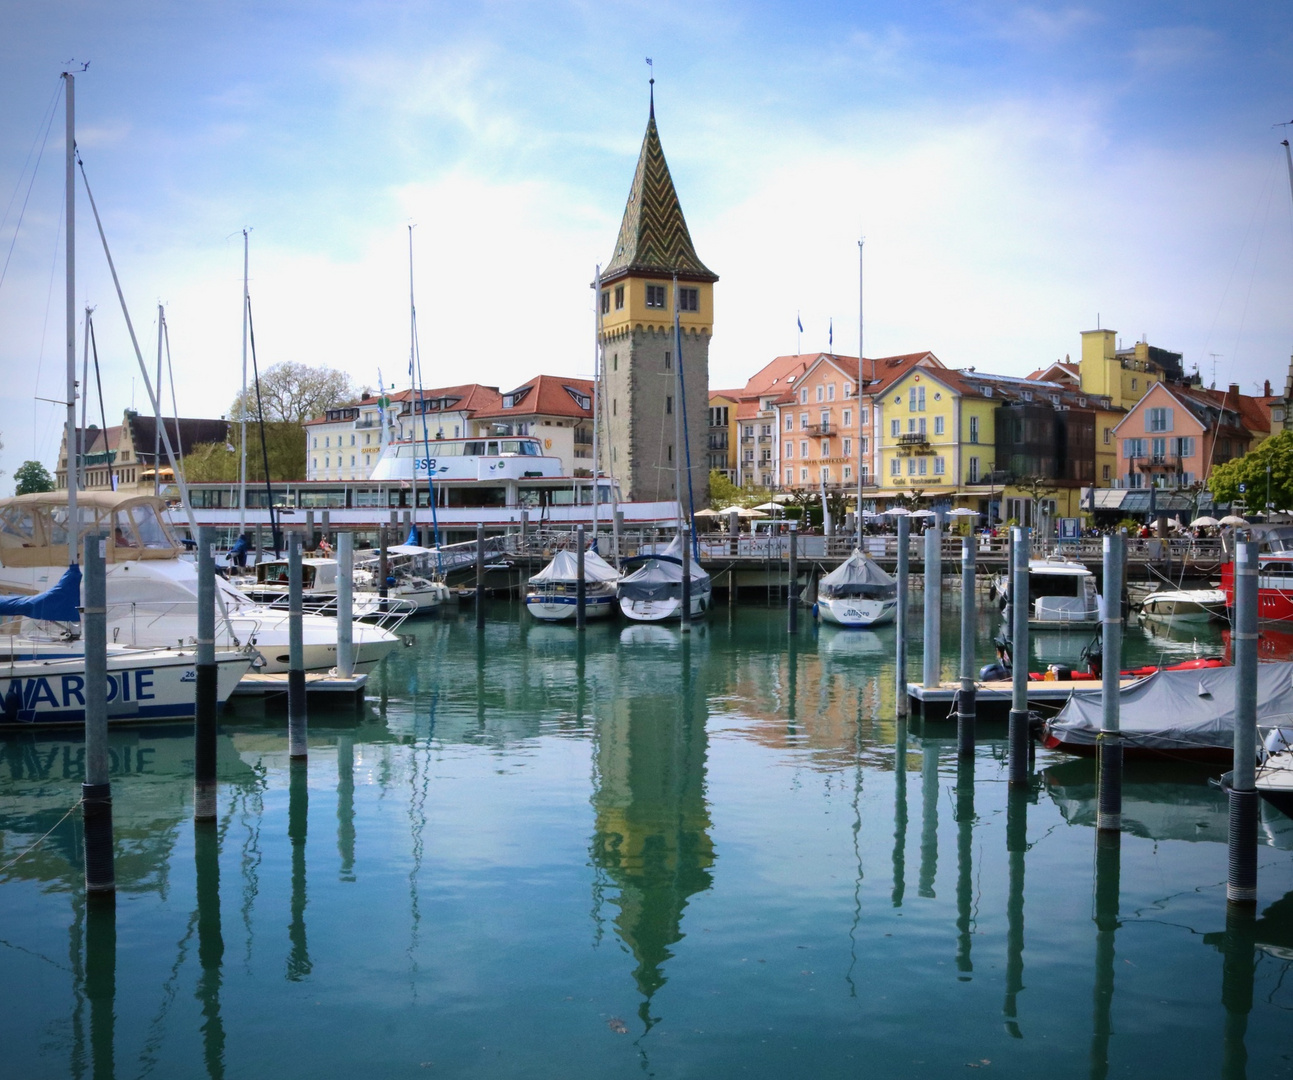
(860, 577)
(33, 528)
(61, 603)
(660, 576)
(565, 567)
(317, 574)
(1179, 710)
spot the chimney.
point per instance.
(1234, 389)
(1266, 392)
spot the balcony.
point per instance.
(914, 442)
(820, 430)
(1159, 463)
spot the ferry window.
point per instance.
(150, 528)
(474, 449)
(492, 449)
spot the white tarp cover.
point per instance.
(858, 576)
(1179, 710)
(656, 579)
(565, 567)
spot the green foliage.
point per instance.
(295, 392)
(216, 462)
(32, 476)
(722, 492)
(1250, 470)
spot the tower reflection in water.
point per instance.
(652, 824)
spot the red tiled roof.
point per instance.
(545, 395)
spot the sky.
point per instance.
(1020, 173)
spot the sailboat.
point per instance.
(654, 591)
(858, 592)
(554, 591)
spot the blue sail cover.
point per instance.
(59, 604)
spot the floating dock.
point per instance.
(322, 684)
(994, 698)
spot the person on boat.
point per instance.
(325, 549)
(238, 553)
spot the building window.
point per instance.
(671, 451)
(825, 418)
(803, 448)
(911, 466)
(1104, 473)
(847, 419)
(865, 447)
(803, 474)
(865, 474)
(826, 474)
(619, 297)
(826, 448)
(895, 428)
(790, 477)
(911, 425)
(848, 472)
(668, 360)
(749, 431)
(938, 425)
(830, 391)
(614, 407)
(803, 421)
(974, 470)
(821, 393)
(803, 395)
(940, 466)
(974, 429)
(314, 443)
(688, 299)
(790, 422)
(327, 462)
(1133, 383)
(1108, 436)
(655, 296)
(1158, 419)
(766, 431)
(790, 449)
(921, 427)
(615, 361)
(923, 465)
(606, 303)
(848, 447)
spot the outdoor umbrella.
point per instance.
(706, 513)
(921, 513)
(1204, 522)
(740, 511)
(899, 511)
(1232, 519)
(962, 511)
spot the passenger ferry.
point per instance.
(1274, 575)
(489, 481)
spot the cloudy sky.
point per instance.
(1018, 171)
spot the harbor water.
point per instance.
(637, 853)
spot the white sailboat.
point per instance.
(857, 593)
(554, 591)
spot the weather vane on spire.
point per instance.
(651, 66)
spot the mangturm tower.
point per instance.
(653, 273)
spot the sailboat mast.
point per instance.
(857, 517)
(677, 410)
(597, 378)
(413, 350)
(157, 407)
(73, 521)
(242, 452)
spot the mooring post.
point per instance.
(383, 565)
(345, 604)
(1017, 735)
(206, 697)
(792, 590)
(311, 536)
(900, 615)
(686, 579)
(326, 525)
(297, 721)
(581, 590)
(480, 577)
(965, 709)
(96, 790)
(1241, 882)
(525, 531)
(933, 607)
(1108, 815)
(617, 529)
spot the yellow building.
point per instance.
(724, 432)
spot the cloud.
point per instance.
(1172, 48)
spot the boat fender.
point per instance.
(816, 612)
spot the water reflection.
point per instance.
(652, 825)
(101, 986)
(899, 813)
(928, 819)
(298, 809)
(206, 855)
(1108, 872)
(964, 865)
(1016, 847)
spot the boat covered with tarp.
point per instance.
(554, 590)
(1176, 714)
(653, 591)
(858, 592)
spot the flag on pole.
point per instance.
(800, 322)
(832, 336)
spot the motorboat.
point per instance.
(652, 590)
(151, 590)
(1274, 777)
(1062, 594)
(1184, 606)
(554, 591)
(411, 575)
(143, 684)
(1181, 714)
(857, 593)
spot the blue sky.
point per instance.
(1018, 170)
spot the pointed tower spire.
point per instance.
(653, 235)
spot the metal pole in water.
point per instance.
(297, 721)
(933, 606)
(383, 564)
(96, 791)
(966, 704)
(1241, 882)
(1108, 815)
(581, 591)
(686, 578)
(207, 697)
(617, 528)
(792, 590)
(480, 577)
(1017, 737)
(900, 616)
(345, 604)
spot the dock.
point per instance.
(993, 698)
(327, 686)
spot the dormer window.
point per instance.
(584, 401)
(512, 400)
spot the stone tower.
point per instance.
(654, 271)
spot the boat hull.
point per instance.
(1183, 608)
(562, 608)
(856, 613)
(143, 685)
(668, 608)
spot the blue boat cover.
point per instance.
(60, 604)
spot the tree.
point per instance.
(295, 393)
(1250, 470)
(32, 476)
(1037, 488)
(722, 492)
(219, 461)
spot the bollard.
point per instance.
(325, 524)
(965, 698)
(686, 579)
(900, 615)
(933, 606)
(581, 591)
(617, 528)
(96, 791)
(792, 592)
(345, 605)
(480, 577)
(1241, 881)
(1108, 815)
(383, 565)
(297, 721)
(1017, 736)
(206, 699)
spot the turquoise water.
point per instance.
(649, 856)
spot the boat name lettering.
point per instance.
(71, 689)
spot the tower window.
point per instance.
(671, 451)
(668, 405)
(668, 360)
(619, 297)
(615, 361)
(655, 296)
(688, 299)
(606, 303)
